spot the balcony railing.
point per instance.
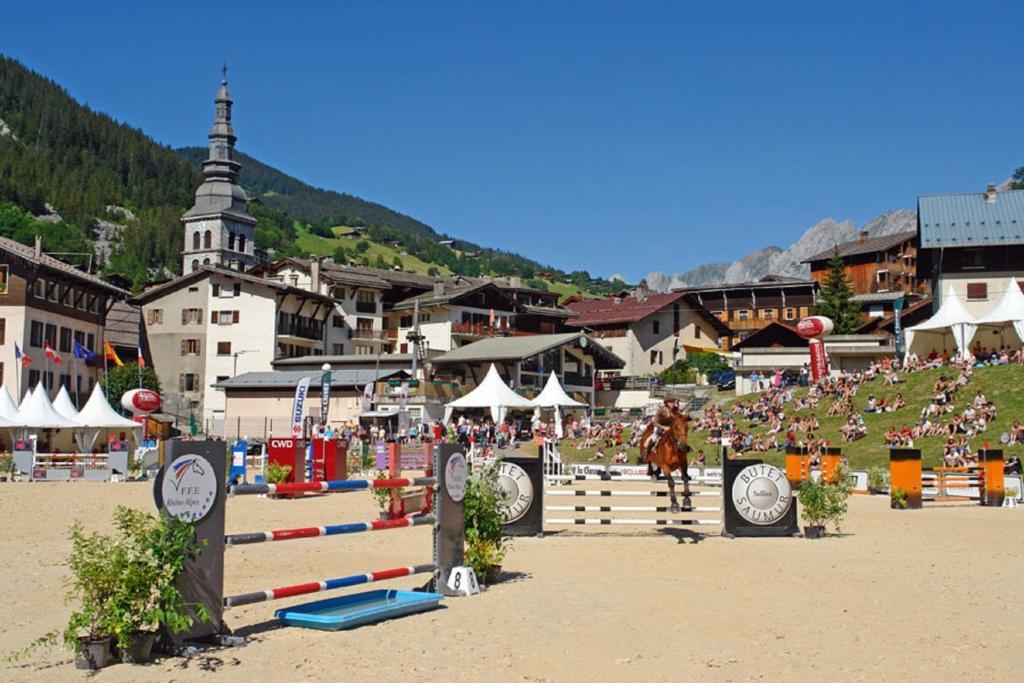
(609, 333)
(313, 332)
(363, 334)
(366, 306)
(485, 330)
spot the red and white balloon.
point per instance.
(814, 326)
(141, 401)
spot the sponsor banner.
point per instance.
(713, 473)
(299, 407)
(819, 361)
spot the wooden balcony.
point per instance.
(485, 330)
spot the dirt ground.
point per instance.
(932, 593)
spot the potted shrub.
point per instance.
(822, 502)
(898, 498)
(6, 467)
(125, 585)
(878, 479)
(148, 594)
(484, 508)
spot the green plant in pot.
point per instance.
(823, 502)
(878, 479)
(898, 498)
(148, 596)
(124, 585)
(276, 473)
(484, 508)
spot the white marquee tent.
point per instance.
(38, 413)
(950, 329)
(491, 393)
(97, 415)
(1007, 316)
(553, 396)
(64, 406)
(8, 410)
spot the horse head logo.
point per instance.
(183, 468)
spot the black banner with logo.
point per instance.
(758, 500)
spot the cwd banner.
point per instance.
(299, 407)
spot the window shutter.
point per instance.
(213, 317)
(236, 317)
(199, 316)
(181, 383)
(184, 346)
(184, 316)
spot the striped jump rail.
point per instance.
(625, 508)
(329, 584)
(331, 486)
(329, 530)
(630, 494)
(635, 522)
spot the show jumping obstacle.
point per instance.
(984, 485)
(203, 580)
(558, 487)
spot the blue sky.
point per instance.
(613, 137)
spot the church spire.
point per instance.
(221, 163)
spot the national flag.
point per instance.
(48, 350)
(81, 352)
(18, 355)
(110, 354)
(142, 361)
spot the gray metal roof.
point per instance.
(971, 220)
(289, 379)
(868, 245)
(877, 297)
(518, 348)
(356, 359)
(48, 262)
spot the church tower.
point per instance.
(218, 228)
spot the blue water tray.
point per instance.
(358, 609)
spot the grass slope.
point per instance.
(1003, 385)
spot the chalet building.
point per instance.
(215, 323)
(778, 347)
(881, 270)
(648, 331)
(44, 300)
(746, 307)
(972, 242)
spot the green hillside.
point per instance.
(1002, 385)
(87, 166)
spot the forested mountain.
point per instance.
(95, 180)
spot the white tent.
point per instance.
(491, 393)
(8, 410)
(38, 413)
(97, 415)
(63, 405)
(554, 396)
(951, 322)
(1007, 315)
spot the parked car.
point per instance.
(727, 380)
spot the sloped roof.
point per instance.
(452, 292)
(771, 334)
(205, 271)
(969, 220)
(29, 253)
(630, 309)
(518, 348)
(767, 282)
(355, 359)
(868, 245)
(877, 297)
(38, 413)
(289, 379)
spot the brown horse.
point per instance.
(669, 454)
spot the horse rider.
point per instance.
(662, 423)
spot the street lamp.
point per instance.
(235, 355)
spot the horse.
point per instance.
(669, 454)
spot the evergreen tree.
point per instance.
(834, 299)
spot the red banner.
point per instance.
(819, 362)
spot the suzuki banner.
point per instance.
(299, 407)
